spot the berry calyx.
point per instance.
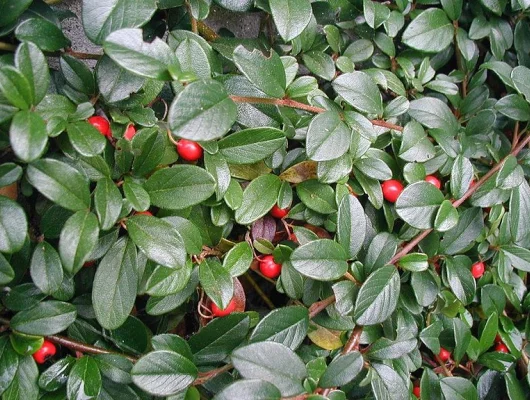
(434, 180)
(416, 391)
(101, 124)
(46, 351)
(278, 212)
(501, 348)
(219, 312)
(269, 267)
(477, 269)
(444, 354)
(391, 190)
(130, 132)
(189, 150)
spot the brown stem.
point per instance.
(206, 32)
(260, 292)
(515, 138)
(315, 308)
(7, 46)
(83, 56)
(442, 364)
(206, 376)
(384, 124)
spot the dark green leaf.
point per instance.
(30, 60)
(290, 16)
(458, 388)
(323, 260)
(249, 389)
(47, 318)
(460, 279)
(237, 261)
(216, 282)
(28, 135)
(86, 139)
(13, 226)
(45, 34)
(342, 370)
(8, 363)
(431, 31)
(351, 225)
(360, 91)
(84, 380)
(148, 146)
(418, 204)
(251, 145)
(15, 87)
(46, 268)
(78, 238)
(107, 203)
(328, 137)
(433, 113)
(469, 226)
(258, 198)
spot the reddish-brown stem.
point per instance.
(320, 305)
(83, 56)
(206, 376)
(442, 364)
(301, 106)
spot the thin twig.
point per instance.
(260, 292)
(315, 308)
(7, 46)
(442, 364)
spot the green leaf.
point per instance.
(249, 146)
(351, 225)
(46, 318)
(430, 336)
(386, 349)
(84, 380)
(388, 384)
(9, 12)
(190, 234)
(56, 375)
(378, 297)
(290, 16)
(148, 145)
(6, 271)
(266, 72)
(237, 261)
(32, 63)
(25, 344)
(469, 226)
(342, 370)
(249, 389)
(46, 268)
(163, 373)
(434, 113)
(446, 217)
(202, 111)
(287, 325)
(101, 17)
(415, 145)
(9, 173)
(77, 74)
(158, 240)
(28, 135)
(179, 187)
(453, 8)
(418, 204)
(166, 281)
(431, 31)
(461, 176)
(78, 238)
(487, 337)
(8, 363)
(216, 340)
(86, 139)
(24, 385)
(375, 13)
(127, 48)
(114, 82)
(317, 196)
(520, 76)
(359, 91)
(136, 195)
(258, 198)
(514, 106)
(323, 260)
(60, 183)
(216, 282)
(460, 279)
(15, 87)
(107, 203)
(518, 256)
(458, 388)
(520, 214)
(271, 362)
(115, 284)
(328, 137)
(462, 334)
(415, 262)
(374, 168)
(320, 64)
(13, 226)
(44, 33)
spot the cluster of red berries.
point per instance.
(393, 188)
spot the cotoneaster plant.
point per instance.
(336, 208)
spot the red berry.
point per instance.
(218, 312)
(501, 348)
(434, 180)
(46, 351)
(444, 354)
(498, 338)
(89, 263)
(391, 190)
(130, 132)
(269, 267)
(477, 269)
(278, 212)
(101, 124)
(189, 150)
(148, 213)
(416, 391)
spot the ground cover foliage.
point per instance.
(378, 151)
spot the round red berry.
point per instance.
(130, 132)
(416, 391)
(501, 348)
(189, 150)
(89, 263)
(278, 212)
(219, 312)
(444, 354)
(391, 190)
(498, 338)
(269, 267)
(434, 180)
(101, 124)
(477, 269)
(46, 351)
